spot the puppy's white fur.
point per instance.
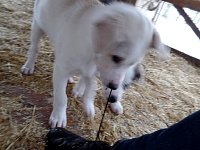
(86, 35)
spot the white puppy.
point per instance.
(89, 37)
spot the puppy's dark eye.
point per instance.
(117, 59)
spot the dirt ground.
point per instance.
(169, 93)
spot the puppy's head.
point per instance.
(122, 35)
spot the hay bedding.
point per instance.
(170, 92)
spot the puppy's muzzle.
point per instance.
(112, 86)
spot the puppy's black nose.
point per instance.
(112, 99)
(112, 86)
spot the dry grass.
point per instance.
(170, 92)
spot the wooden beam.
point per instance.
(192, 4)
(188, 20)
(129, 1)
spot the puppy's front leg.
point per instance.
(36, 34)
(89, 96)
(115, 100)
(58, 115)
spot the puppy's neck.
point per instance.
(87, 5)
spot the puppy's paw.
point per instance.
(58, 119)
(71, 80)
(78, 91)
(117, 108)
(27, 69)
(90, 110)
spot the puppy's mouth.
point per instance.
(112, 86)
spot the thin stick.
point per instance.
(97, 137)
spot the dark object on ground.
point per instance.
(61, 139)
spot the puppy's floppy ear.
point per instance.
(106, 23)
(105, 28)
(164, 51)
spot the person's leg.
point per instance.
(184, 135)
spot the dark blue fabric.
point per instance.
(184, 135)
(107, 1)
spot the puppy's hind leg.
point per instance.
(79, 89)
(36, 34)
(58, 116)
